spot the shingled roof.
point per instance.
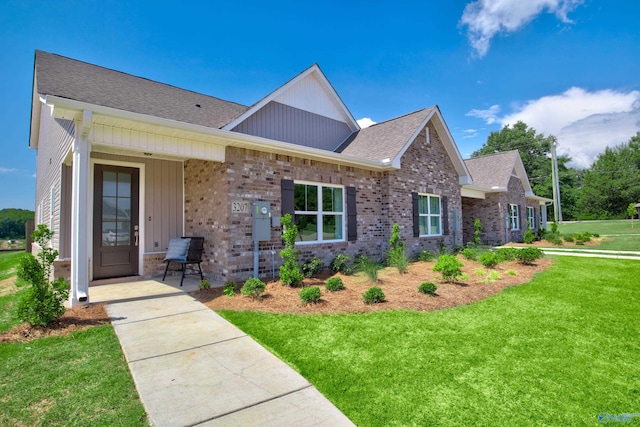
(494, 170)
(385, 140)
(80, 81)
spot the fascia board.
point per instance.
(223, 137)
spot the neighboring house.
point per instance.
(124, 164)
(502, 199)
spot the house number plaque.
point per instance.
(239, 207)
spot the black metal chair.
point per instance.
(182, 253)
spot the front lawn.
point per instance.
(557, 351)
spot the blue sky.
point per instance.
(566, 67)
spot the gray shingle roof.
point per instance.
(385, 140)
(72, 79)
(493, 170)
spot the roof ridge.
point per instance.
(400, 117)
(135, 76)
(499, 153)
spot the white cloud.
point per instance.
(469, 133)
(489, 116)
(7, 170)
(584, 122)
(487, 18)
(365, 122)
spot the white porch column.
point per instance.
(80, 200)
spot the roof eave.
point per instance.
(71, 109)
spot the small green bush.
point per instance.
(290, 273)
(204, 284)
(369, 267)
(580, 242)
(426, 255)
(596, 235)
(480, 272)
(529, 237)
(489, 259)
(334, 284)
(569, 239)
(309, 295)
(428, 288)
(399, 260)
(471, 254)
(449, 267)
(512, 273)
(373, 295)
(312, 266)
(341, 263)
(254, 288)
(528, 256)
(43, 301)
(506, 254)
(229, 288)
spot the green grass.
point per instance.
(8, 263)
(556, 351)
(78, 380)
(622, 226)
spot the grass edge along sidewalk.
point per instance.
(557, 351)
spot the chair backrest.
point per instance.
(196, 247)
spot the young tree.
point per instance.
(631, 211)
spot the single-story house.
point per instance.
(124, 164)
(502, 199)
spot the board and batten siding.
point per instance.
(56, 139)
(281, 122)
(164, 199)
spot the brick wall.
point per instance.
(248, 176)
(490, 211)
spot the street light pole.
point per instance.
(557, 209)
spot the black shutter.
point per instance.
(352, 223)
(416, 215)
(287, 203)
(445, 216)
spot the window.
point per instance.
(319, 212)
(515, 217)
(430, 215)
(531, 218)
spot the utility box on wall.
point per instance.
(261, 221)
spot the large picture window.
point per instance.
(515, 217)
(319, 212)
(430, 215)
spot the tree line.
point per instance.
(603, 191)
(12, 223)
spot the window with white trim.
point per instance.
(430, 215)
(515, 217)
(319, 212)
(531, 218)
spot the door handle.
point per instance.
(135, 234)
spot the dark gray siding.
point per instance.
(284, 123)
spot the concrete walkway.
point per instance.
(191, 367)
(589, 253)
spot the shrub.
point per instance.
(312, 266)
(309, 295)
(596, 235)
(373, 295)
(506, 254)
(528, 256)
(369, 267)
(426, 255)
(254, 288)
(341, 263)
(512, 273)
(529, 237)
(489, 259)
(43, 302)
(480, 272)
(396, 256)
(471, 254)
(477, 229)
(569, 239)
(334, 284)
(428, 288)
(553, 239)
(204, 284)
(229, 288)
(449, 267)
(290, 273)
